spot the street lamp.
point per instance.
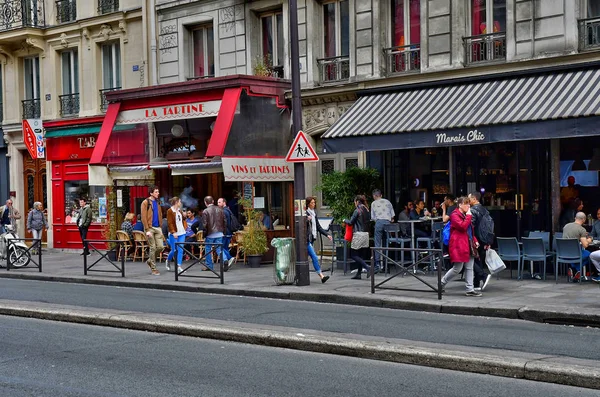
(302, 273)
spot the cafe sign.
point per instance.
(473, 136)
(171, 112)
(257, 169)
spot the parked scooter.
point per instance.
(19, 254)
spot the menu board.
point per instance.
(248, 191)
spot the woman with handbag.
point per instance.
(312, 228)
(359, 246)
(462, 246)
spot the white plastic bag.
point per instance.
(494, 262)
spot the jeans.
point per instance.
(37, 234)
(585, 259)
(595, 259)
(2, 229)
(212, 243)
(156, 243)
(379, 239)
(225, 248)
(83, 233)
(456, 268)
(314, 257)
(176, 248)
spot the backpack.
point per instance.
(485, 229)
(446, 233)
(234, 223)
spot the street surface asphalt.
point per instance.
(44, 358)
(487, 333)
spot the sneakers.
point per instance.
(155, 272)
(324, 279)
(577, 276)
(487, 280)
(477, 289)
(596, 279)
(179, 269)
(229, 263)
(167, 265)
(473, 293)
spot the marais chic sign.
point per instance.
(236, 169)
(472, 136)
(170, 112)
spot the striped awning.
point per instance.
(539, 97)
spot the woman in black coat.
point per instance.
(359, 247)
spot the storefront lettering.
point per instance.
(263, 169)
(471, 136)
(269, 169)
(174, 110)
(87, 142)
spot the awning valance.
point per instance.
(466, 113)
(196, 168)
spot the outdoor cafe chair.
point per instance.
(141, 245)
(509, 251)
(556, 235)
(568, 252)
(125, 246)
(394, 236)
(545, 236)
(429, 242)
(534, 250)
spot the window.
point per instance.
(31, 103)
(66, 11)
(106, 6)
(272, 42)
(337, 29)
(69, 100)
(111, 66)
(406, 22)
(486, 13)
(30, 9)
(96, 195)
(203, 48)
(593, 8)
(589, 27)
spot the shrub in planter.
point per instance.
(254, 242)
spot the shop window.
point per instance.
(31, 103)
(69, 100)
(111, 66)
(272, 42)
(406, 22)
(336, 27)
(593, 8)
(203, 50)
(351, 163)
(96, 196)
(327, 166)
(271, 199)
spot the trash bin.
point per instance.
(284, 271)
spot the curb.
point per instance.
(570, 317)
(542, 368)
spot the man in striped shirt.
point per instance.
(382, 212)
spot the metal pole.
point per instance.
(302, 274)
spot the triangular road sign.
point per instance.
(301, 150)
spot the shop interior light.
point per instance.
(594, 164)
(579, 165)
(177, 130)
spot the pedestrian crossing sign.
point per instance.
(301, 150)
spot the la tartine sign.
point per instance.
(171, 112)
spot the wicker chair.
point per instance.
(141, 245)
(126, 245)
(239, 240)
(200, 239)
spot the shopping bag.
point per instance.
(348, 235)
(494, 262)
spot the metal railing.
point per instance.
(66, 11)
(429, 255)
(18, 257)
(200, 259)
(69, 104)
(589, 34)
(21, 13)
(106, 6)
(333, 69)
(208, 76)
(485, 48)
(403, 59)
(31, 108)
(103, 101)
(118, 265)
(277, 71)
(1, 112)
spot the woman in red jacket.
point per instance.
(459, 247)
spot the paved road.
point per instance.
(43, 358)
(482, 332)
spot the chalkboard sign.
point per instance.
(248, 191)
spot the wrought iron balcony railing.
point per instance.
(485, 48)
(277, 71)
(208, 76)
(31, 108)
(107, 6)
(66, 11)
(69, 105)
(589, 34)
(334, 69)
(103, 101)
(403, 59)
(21, 13)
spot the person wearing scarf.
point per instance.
(312, 228)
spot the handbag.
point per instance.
(473, 249)
(349, 232)
(494, 262)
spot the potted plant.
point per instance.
(263, 66)
(254, 242)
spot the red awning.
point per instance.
(220, 133)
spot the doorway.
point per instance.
(34, 181)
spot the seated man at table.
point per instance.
(417, 213)
(575, 230)
(404, 215)
(596, 228)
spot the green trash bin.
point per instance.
(284, 271)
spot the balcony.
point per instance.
(31, 108)
(108, 6)
(589, 34)
(16, 14)
(334, 69)
(103, 101)
(66, 11)
(207, 76)
(69, 105)
(485, 48)
(403, 59)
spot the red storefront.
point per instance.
(197, 132)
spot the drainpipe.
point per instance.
(153, 57)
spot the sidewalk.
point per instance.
(534, 300)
